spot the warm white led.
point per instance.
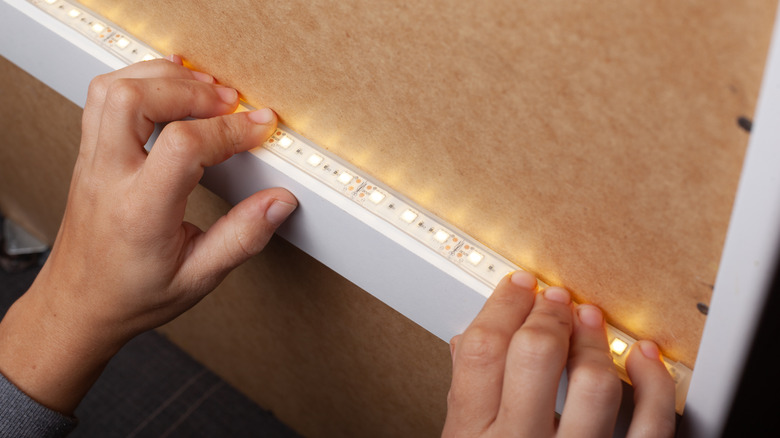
(73, 13)
(285, 142)
(618, 346)
(475, 258)
(441, 236)
(345, 178)
(315, 160)
(408, 216)
(123, 42)
(376, 196)
(98, 27)
(148, 57)
(51, 2)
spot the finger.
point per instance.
(594, 394)
(537, 356)
(654, 394)
(453, 345)
(233, 239)
(99, 86)
(185, 148)
(134, 105)
(480, 355)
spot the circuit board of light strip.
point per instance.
(434, 233)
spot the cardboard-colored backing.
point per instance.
(326, 357)
(594, 143)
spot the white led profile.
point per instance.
(94, 27)
(355, 185)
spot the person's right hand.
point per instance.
(124, 260)
(508, 362)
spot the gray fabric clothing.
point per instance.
(21, 416)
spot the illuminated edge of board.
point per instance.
(460, 262)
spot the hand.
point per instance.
(508, 362)
(124, 261)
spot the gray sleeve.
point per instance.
(21, 416)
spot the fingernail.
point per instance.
(649, 350)
(279, 211)
(203, 77)
(228, 95)
(262, 116)
(590, 315)
(176, 59)
(523, 279)
(557, 294)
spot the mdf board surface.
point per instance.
(594, 143)
(324, 356)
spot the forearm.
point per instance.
(49, 353)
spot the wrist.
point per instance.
(52, 353)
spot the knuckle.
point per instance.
(178, 139)
(124, 93)
(229, 132)
(98, 87)
(481, 346)
(537, 343)
(507, 299)
(598, 380)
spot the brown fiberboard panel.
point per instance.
(326, 357)
(39, 140)
(594, 143)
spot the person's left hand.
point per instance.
(124, 260)
(509, 361)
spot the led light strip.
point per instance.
(437, 235)
(106, 34)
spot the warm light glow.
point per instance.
(315, 160)
(123, 42)
(98, 27)
(408, 216)
(51, 2)
(285, 142)
(74, 13)
(618, 346)
(441, 236)
(376, 196)
(149, 57)
(345, 178)
(475, 258)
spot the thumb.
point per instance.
(237, 236)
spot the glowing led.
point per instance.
(148, 57)
(475, 258)
(618, 346)
(285, 142)
(73, 13)
(408, 216)
(123, 42)
(315, 160)
(441, 236)
(345, 178)
(98, 27)
(376, 196)
(51, 2)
